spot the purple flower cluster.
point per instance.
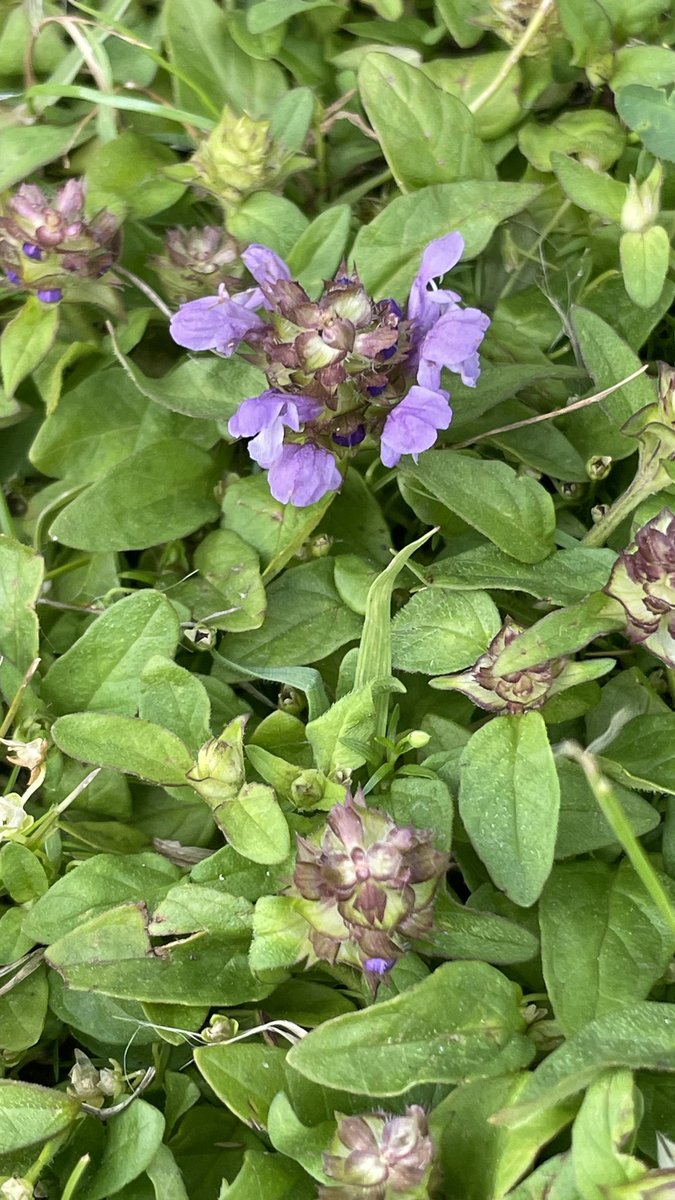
(340, 368)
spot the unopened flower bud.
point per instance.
(643, 202)
(291, 701)
(379, 1156)
(13, 819)
(89, 1084)
(643, 581)
(308, 789)
(219, 772)
(220, 1028)
(599, 466)
(16, 1189)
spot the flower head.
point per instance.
(364, 884)
(47, 241)
(196, 261)
(342, 368)
(514, 692)
(378, 1157)
(643, 581)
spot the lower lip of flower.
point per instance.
(350, 439)
(13, 277)
(50, 295)
(32, 251)
(379, 966)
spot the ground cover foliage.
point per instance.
(337, 620)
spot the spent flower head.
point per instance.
(643, 581)
(380, 1157)
(513, 692)
(342, 370)
(47, 244)
(91, 1085)
(195, 261)
(364, 884)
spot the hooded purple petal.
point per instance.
(265, 266)
(439, 257)
(413, 425)
(215, 323)
(452, 342)
(256, 413)
(303, 474)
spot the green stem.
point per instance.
(645, 484)
(515, 55)
(622, 829)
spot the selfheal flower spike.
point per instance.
(643, 581)
(196, 262)
(514, 692)
(364, 884)
(377, 1157)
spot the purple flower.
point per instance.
(413, 425)
(301, 475)
(217, 322)
(439, 257)
(379, 966)
(265, 266)
(32, 251)
(13, 277)
(263, 419)
(50, 295)
(453, 342)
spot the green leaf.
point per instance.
(461, 932)
(267, 14)
(467, 76)
(589, 189)
(318, 252)
(509, 799)
(562, 632)
(203, 388)
(591, 132)
(306, 1144)
(582, 827)
(606, 1125)
(645, 750)
(30, 1114)
(306, 620)
(270, 1177)
(427, 135)
(96, 885)
(463, 1020)
(563, 578)
(23, 1012)
(639, 1036)
(200, 44)
(112, 955)
(22, 873)
(511, 510)
(268, 218)
(190, 908)
(425, 803)
(102, 669)
(165, 1176)
(650, 112)
(291, 119)
(127, 177)
(604, 942)
(644, 263)
(26, 340)
(389, 250)
(275, 530)
(609, 360)
(132, 1141)
(443, 631)
(21, 573)
(101, 422)
(482, 1160)
(254, 824)
(125, 744)
(25, 148)
(245, 1078)
(176, 699)
(164, 491)
(228, 593)
(350, 720)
